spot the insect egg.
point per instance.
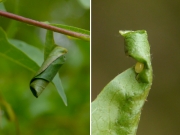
(139, 67)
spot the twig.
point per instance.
(44, 25)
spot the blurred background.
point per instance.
(47, 115)
(161, 19)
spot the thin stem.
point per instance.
(44, 25)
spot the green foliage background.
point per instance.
(47, 115)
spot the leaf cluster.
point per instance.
(21, 55)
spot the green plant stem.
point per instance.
(44, 25)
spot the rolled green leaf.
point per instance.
(48, 70)
(117, 109)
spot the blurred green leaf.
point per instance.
(2, 6)
(7, 50)
(85, 3)
(9, 113)
(8, 110)
(32, 52)
(117, 108)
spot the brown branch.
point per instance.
(44, 25)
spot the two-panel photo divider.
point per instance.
(89, 67)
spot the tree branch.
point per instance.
(45, 26)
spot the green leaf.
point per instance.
(49, 44)
(53, 59)
(29, 57)
(11, 52)
(71, 28)
(60, 89)
(117, 108)
(85, 34)
(2, 7)
(32, 52)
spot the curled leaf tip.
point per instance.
(117, 109)
(122, 32)
(37, 86)
(64, 50)
(137, 47)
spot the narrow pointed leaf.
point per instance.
(117, 109)
(60, 89)
(71, 28)
(86, 33)
(49, 44)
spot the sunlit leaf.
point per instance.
(117, 108)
